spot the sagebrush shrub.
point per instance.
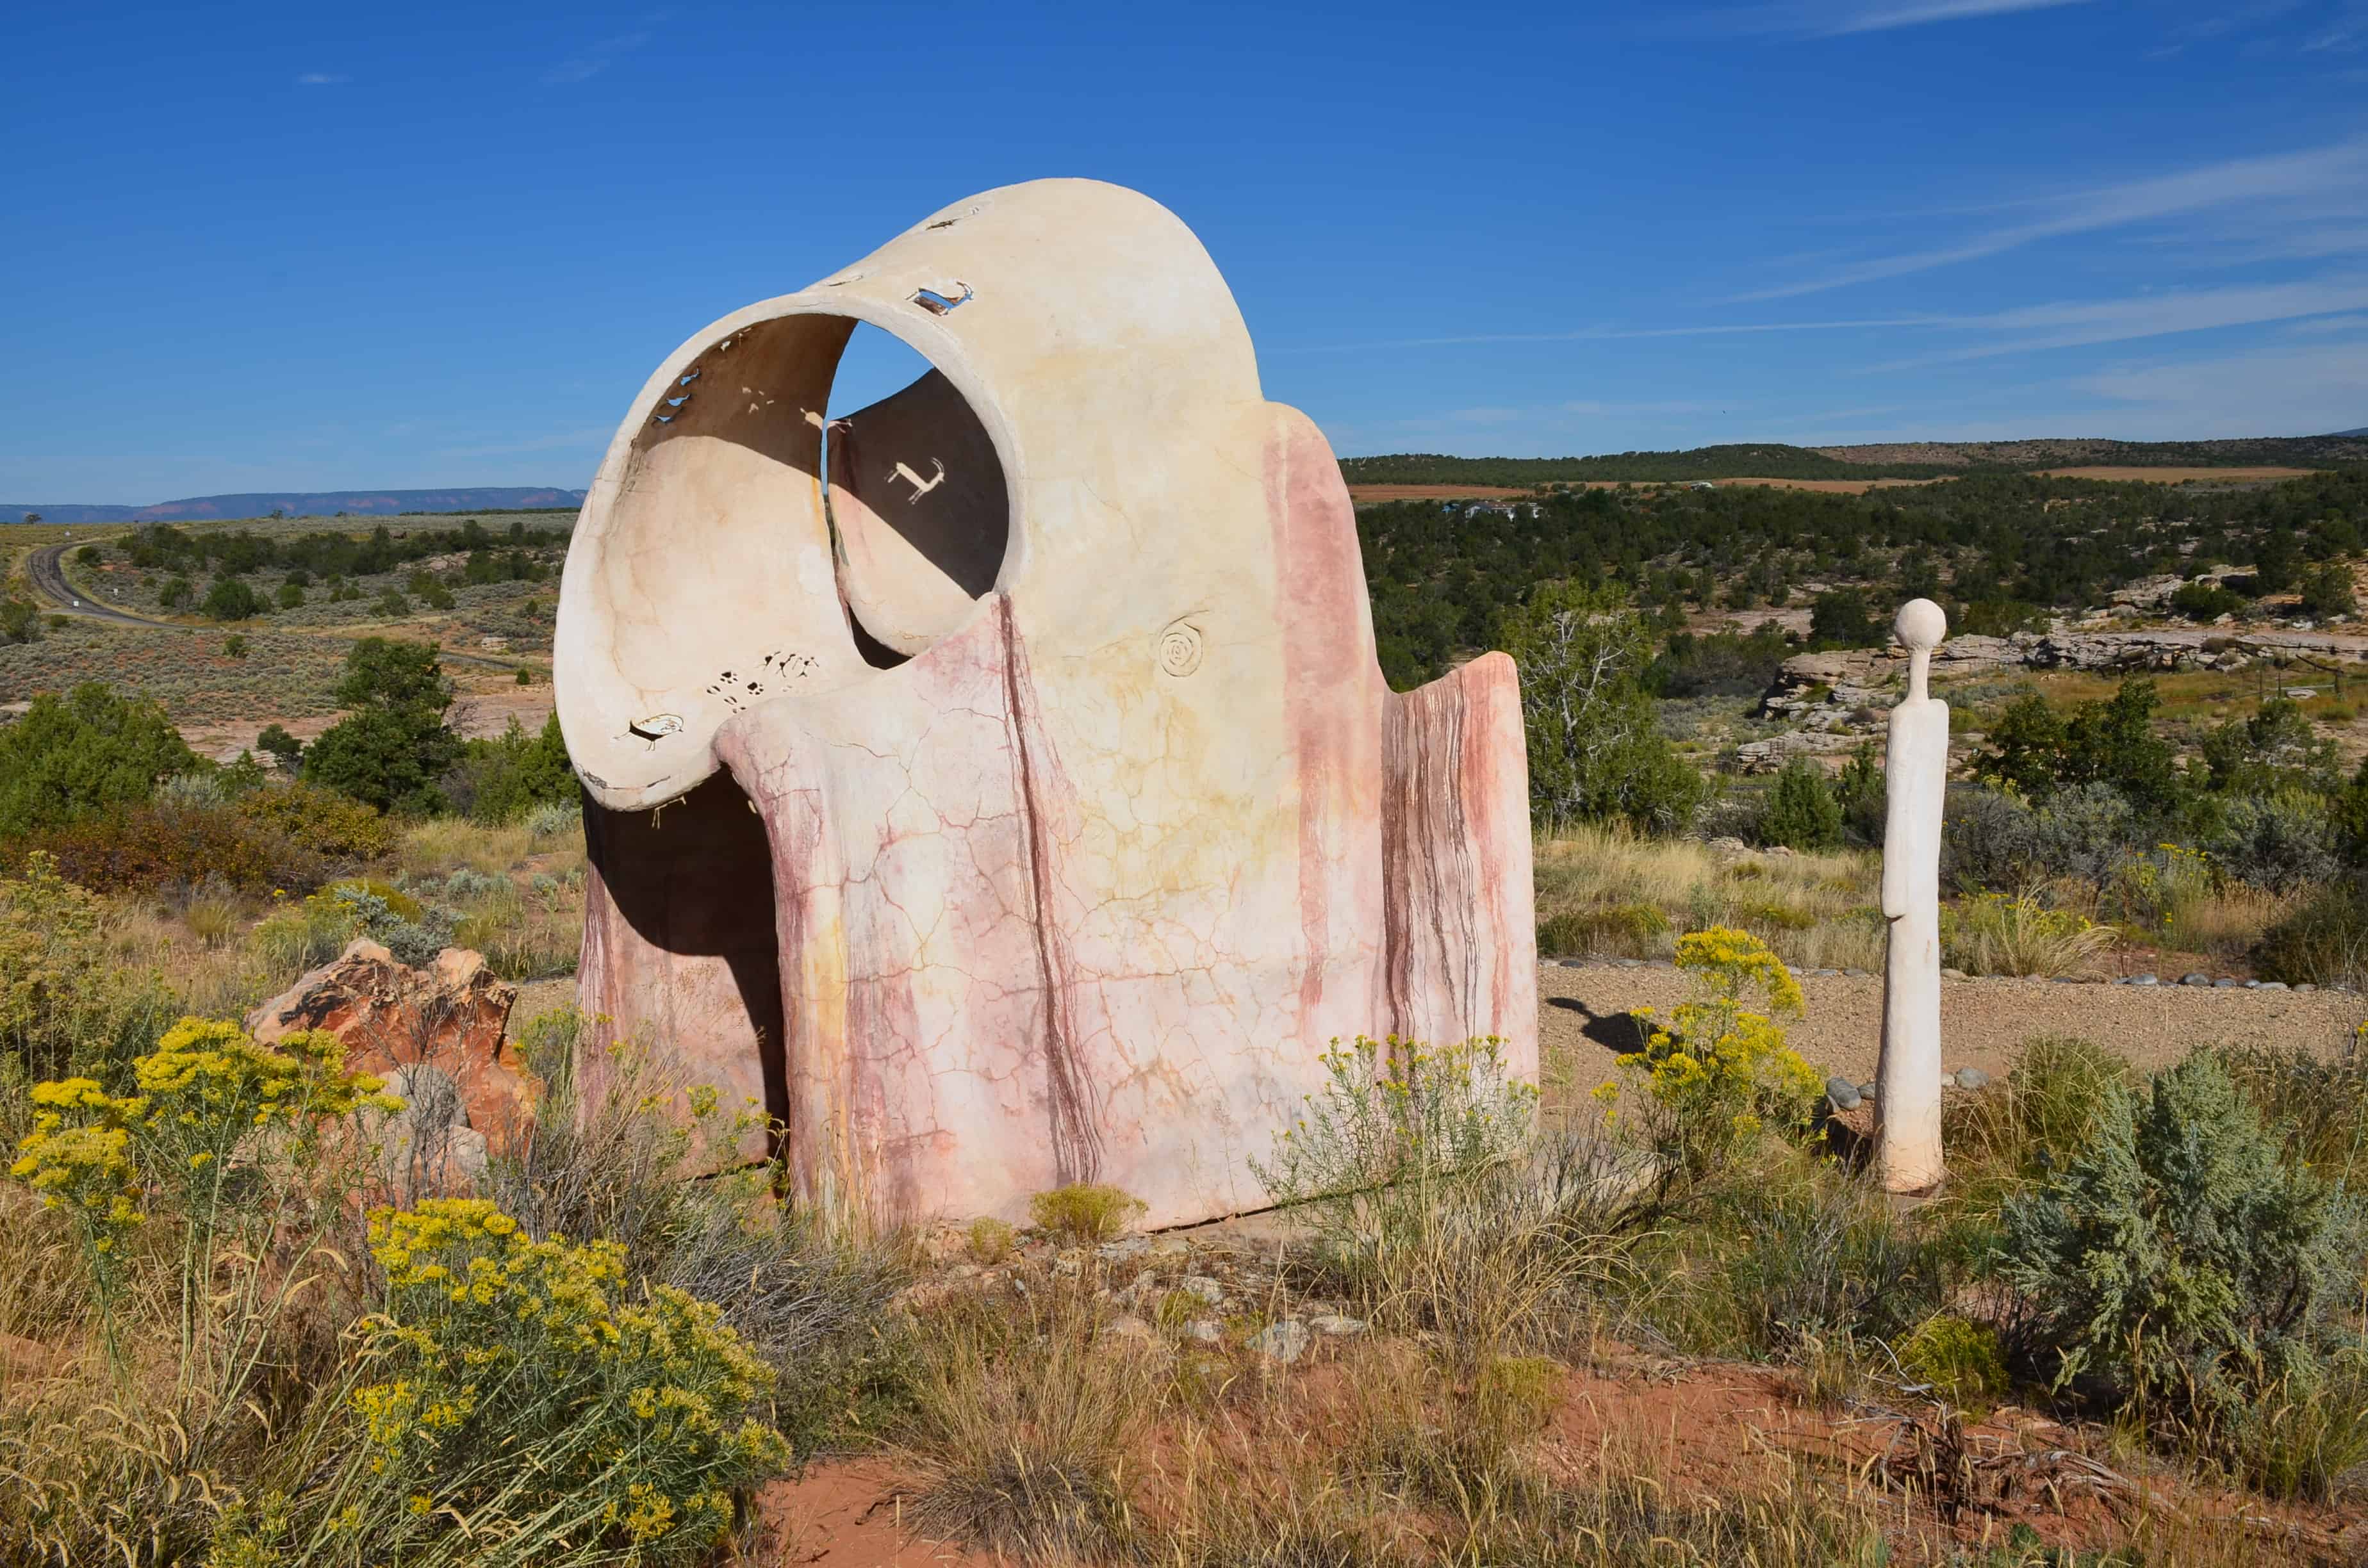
(1084, 1212)
(1957, 1359)
(1988, 839)
(554, 819)
(335, 827)
(68, 1005)
(2178, 1260)
(2279, 842)
(2086, 831)
(1825, 1260)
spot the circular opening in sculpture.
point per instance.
(920, 510)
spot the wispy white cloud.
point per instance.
(322, 79)
(2302, 389)
(589, 63)
(2334, 175)
(2344, 33)
(1596, 333)
(2325, 326)
(2021, 329)
(2071, 324)
(1828, 18)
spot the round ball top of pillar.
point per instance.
(1920, 626)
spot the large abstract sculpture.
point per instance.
(999, 783)
(1916, 775)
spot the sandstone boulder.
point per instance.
(449, 1016)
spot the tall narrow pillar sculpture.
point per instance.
(1915, 769)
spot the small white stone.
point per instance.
(1201, 1288)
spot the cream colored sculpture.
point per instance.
(999, 784)
(1916, 771)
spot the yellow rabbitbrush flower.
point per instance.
(205, 1091)
(494, 1342)
(1717, 1073)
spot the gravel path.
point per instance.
(1983, 1022)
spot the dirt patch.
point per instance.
(1825, 486)
(2178, 475)
(1370, 495)
(1584, 1012)
(849, 1513)
(484, 703)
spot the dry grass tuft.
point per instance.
(1085, 1213)
(1607, 892)
(1025, 1426)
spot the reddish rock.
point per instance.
(449, 1015)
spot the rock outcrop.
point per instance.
(1835, 698)
(438, 1029)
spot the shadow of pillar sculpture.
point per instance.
(1045, 693)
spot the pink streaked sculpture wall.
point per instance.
(1001, 786)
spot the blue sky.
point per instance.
(261, 246)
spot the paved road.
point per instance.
(46, 568)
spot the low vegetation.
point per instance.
(230, 1336)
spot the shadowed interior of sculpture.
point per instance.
(919, 507)
(739, 480)
(695, 880)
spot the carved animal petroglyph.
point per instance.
(1081, 817)
(920, 486)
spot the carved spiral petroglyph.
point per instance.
(1180, 649)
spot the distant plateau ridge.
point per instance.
(1762, 459)
(305, 504)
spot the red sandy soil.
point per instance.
(1705, 1431)
(848, 1514)
(1366, 494)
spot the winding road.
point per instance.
(46, 569)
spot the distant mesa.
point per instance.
(305, 503)
(1896, 460)
(1399, 471)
